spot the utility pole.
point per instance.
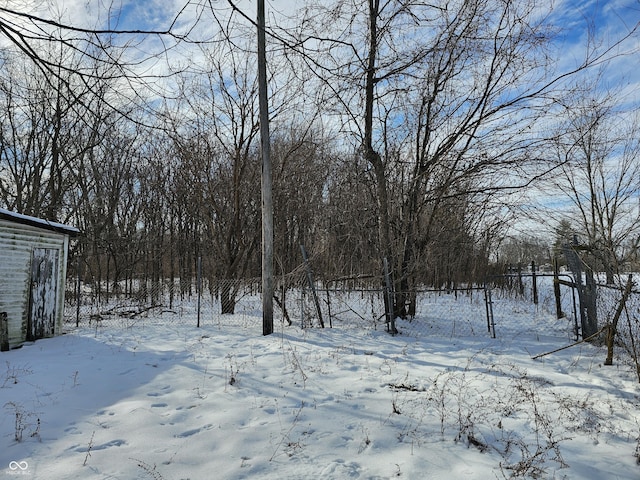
(267, 197)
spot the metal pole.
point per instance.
(493, 322)
(312, 285)
(303, 295)
(267, 202)
(391, 316)
(556, 288)
(199, 286)
(534, 281)
(487, 300)
(78, 278)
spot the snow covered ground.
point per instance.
(162, 400)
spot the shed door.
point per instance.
(42, 311)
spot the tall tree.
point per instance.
(437, 96)
(218, 151)
(599, 155)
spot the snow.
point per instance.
(38, 222)
(156, 399)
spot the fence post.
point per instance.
(520, 281)
(491, 324)
(303, 294)
(199, 286)
(4, 332)
(575, 264)
(329, 309)
(78, 279)
(556, 288)
(390, 311)
(534, 281)
(312, 285)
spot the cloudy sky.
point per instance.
(575, 21)
(581, 27)
(609, 20)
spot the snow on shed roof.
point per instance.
(37, 222)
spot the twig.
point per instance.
(90, 446)
(286, 435)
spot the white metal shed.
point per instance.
(33, 268)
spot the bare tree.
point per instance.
(421, 84)
(218, 151)
(106, 51)
(109, 206)
(438, 108)
(302, 162)
(49, 144)
(351, 219)
(37, 141)
(442, 100)
(599, 155)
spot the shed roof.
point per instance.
(38, 222)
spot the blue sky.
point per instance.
(607, 22)
(609, 18)
(580, 24)
(575, 20)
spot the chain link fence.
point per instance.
(459, 312)
(437, 312)
(523, 304)
(506, 307)
(618, 308)
(175, 303)
(528, 304)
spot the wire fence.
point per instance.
(176, 303)
(442, 312)
(619, 311)
(532, 304)
(505, 307)
(351, 305)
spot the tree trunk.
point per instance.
(227, 297)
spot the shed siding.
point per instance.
(17, 242)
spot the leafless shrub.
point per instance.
(151, 471)
(489, 418)
(23, 421)
(12, 374)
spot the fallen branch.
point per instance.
(135, 313)
(573, 344)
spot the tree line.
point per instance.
(399, 130)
